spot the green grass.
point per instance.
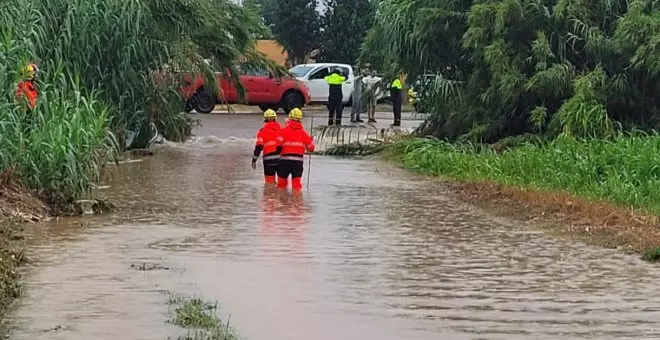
(199, 318)
(652, 255)
(623, 170)
(104, 71)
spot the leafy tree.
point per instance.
(296, 27)
(508, 67)
(345, 23)
(266, 10)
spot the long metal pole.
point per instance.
(309, 163)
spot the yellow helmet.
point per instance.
(296, 114)
(270, 114)
(30, 71)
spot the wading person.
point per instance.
(295, 141)
(268, 141)
(396, 89)
(335, 81)
(26, 92)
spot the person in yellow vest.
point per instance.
(335, 81)
(396, 89)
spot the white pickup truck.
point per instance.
(314, 76)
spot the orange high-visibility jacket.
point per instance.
(26, 88)
(295, 141)
(268, 141)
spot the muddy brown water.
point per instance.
(368, 252)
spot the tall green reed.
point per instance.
(59, 146)
(101, 62)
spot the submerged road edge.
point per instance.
(559, 214)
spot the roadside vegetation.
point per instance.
(622, 170)
(505, 68)
(570, 86)
(553, 96)
(199, 318)
(105, 72)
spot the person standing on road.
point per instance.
(335, 81)
(396, 89)
(356, 99)
(268, 141)
(295, 141)
(370, 95)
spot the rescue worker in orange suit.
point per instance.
(268, 141)
(27, 89)
(295, 141)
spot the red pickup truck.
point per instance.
(262, 88)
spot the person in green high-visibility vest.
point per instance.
(396, 93)
(335, 81)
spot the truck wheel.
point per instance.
(204, 102)
(292, 100)
(266, 107)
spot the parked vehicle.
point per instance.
(314, 76)
(262, 89)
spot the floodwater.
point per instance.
(367, 252)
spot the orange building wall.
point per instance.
(273, 50)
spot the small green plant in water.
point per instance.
(652, 255)
(200, 318)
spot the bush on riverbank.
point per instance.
(508, 67)
(58, 148)
(98, 60)
(623, 170)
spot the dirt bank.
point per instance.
(562, 214)
(17, 206)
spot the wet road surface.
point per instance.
(368, 252)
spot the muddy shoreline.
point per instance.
(17, 207)
(563, 215)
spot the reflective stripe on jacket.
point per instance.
(268, 140)
(295, 141)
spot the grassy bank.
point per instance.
(622, 171)
(103, 75)
(199, 318)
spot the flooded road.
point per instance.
(368, 252)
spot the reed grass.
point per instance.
(105, 69)
(623, 170)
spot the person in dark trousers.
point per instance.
(396, 93)
(268, 141)
(335, 81)
(295, 141)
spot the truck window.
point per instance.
(301, 70)
(252, 70)
(320, 74)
